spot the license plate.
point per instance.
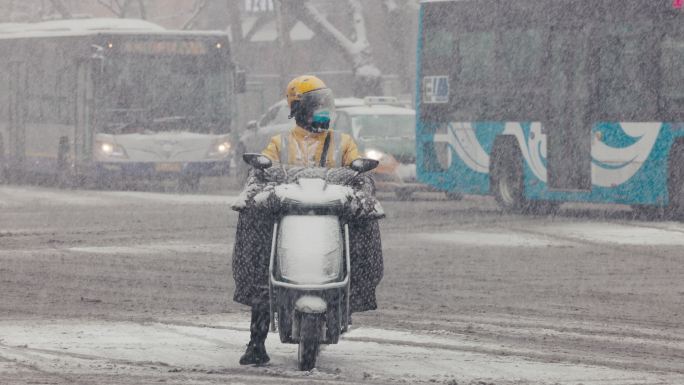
(168, 167)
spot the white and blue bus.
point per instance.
(540, 102)
(107, 99)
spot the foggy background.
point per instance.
(379, 60)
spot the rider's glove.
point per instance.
(259, 193)
(362, 206)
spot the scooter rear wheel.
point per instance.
(309, 341)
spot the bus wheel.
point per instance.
(506, 175)
(65, 177)
(403, 194)
(675, 182)
(188, 182)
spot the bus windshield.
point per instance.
(163, 93)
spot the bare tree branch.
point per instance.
(197, 9)
(367, 76)
(316, 20)
(143, 9)
(59, 6)
(119, 8)
(258, 24)
(390, 5)
(359, 25)
(109, 6)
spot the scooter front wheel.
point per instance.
(309, 341)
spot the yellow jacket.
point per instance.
(305, 148)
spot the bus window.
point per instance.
(522, 53)
(476, 55)
(672, 69)
(439, 44)
(627, 82)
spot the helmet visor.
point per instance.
(320, 108)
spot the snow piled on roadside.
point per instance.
(568, 234)
(611, 233)
(156, 248)
(23, 196)
(490, 238)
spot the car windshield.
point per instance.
(282, 116)
(163, 93)
(394, 126)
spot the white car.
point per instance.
(384, 130)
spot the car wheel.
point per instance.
(453, 195)
(403, 194)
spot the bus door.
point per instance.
(569, 112)
(17, 115)
(84, 127)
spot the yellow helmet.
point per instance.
(301, 85)
(311, 103)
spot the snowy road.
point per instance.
(134, 287)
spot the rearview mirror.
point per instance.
(362, 165)
(252, 125)
(258, 161)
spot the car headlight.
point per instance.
(374, 154)
(110, 149)
(220, 148)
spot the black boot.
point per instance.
(256, 349)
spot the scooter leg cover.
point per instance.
(366, 264)
(252, 249)
(251, 253)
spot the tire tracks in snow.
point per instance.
(579, 357)
(34, 367)
(250, 374)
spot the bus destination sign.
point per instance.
(168, 47)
